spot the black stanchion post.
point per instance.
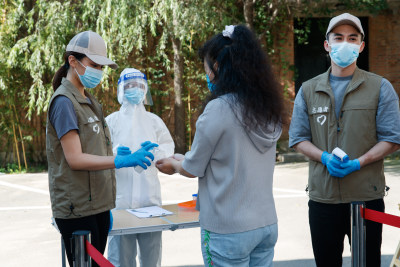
(62, 253)
(80, 257)
(357, 235)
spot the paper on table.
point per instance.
(149, 212)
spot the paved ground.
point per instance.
(28, 239)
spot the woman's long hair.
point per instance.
(63, 70)
(243, 69)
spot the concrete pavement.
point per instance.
(28, 239)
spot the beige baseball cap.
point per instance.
(93, 46)
(345, 19)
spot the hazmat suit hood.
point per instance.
(132, 78)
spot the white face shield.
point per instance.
(132, 87)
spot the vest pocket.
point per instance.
(92, 135)
(101, 189)
(322, 186)
(79, 192)
(359, 127)
(319, 125)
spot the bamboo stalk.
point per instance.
(16, 146)
(23, 148)
(22, 140)
(15, 138)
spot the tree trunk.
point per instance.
(179, 108)
(248, 11)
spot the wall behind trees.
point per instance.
(384, 43)
(159, 37)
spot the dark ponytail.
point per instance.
(63, 71)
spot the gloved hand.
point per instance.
(137, 158)
(123, 150)
(111, 222)
(332, 164)
(350, 166)
(146, 143)
(148, 146)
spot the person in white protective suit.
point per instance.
(130, 127)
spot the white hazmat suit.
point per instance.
(131, 126)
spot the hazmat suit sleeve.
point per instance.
(166, 144)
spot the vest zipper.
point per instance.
(103, 122)
(337, 135)
(104, 127)
(337, 131)
(337, 144)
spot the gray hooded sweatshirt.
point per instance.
(235, 169)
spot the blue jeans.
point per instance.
(251, 248)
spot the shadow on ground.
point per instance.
(386, 259)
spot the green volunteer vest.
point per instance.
(354, 132)
(77, 194)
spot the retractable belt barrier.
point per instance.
(82, 249)
(380, 217)
(358, 241)
(97, 256)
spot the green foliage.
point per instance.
(302, 31)
(11, 168)
(138, 33)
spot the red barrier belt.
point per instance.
(97, 256)
(381, 217)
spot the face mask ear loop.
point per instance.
(81, 65)
(77, 73)
(360, 46)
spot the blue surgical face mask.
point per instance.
(91, 78)
(134, 95)
(344, 53)
(210, 85)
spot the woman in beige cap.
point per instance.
(79, 152)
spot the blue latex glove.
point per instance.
(350, 166)
(123, 150)
(148, 146)
(146, 143)
(111, 221)
(138, 158)
(332, 164)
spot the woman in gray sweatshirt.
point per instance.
(233, 152)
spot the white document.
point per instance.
(149, 212)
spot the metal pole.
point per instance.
(358, 251)
(62, 253)
(80, 258)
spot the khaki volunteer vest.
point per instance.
(76, 194)
(354, 132)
